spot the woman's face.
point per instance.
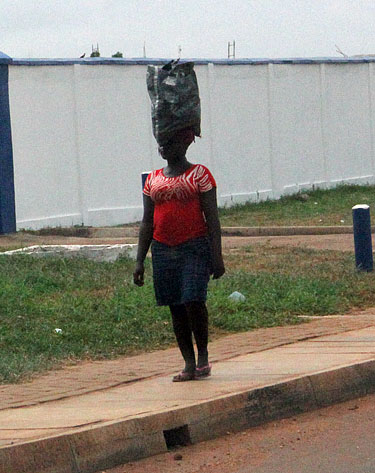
(173, 150)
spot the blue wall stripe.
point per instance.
(7, 202)
(97, 61)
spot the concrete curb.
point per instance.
(285, 231)
(100, 253)
(132, 232)
(111, 444)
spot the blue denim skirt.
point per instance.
(181, 273)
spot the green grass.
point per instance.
(271, 300)
(101, 314)
(97, 307)
(321, 207)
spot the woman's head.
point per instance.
(177, 146)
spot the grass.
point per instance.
(55, 311)
(318, 207)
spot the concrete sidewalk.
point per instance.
(117, 415)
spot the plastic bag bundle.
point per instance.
(175, 103)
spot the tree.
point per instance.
(118, 54)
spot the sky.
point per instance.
(189, 28)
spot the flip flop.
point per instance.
(183, 376)
(203, 372)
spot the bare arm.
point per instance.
(144, 239)
(209, 206)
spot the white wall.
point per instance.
(82, 134)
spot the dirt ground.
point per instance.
(319, 242)
(340, 242)
(336, 439)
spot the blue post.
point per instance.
(362, 237)
(7, 196)
(144, 177)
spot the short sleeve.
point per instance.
(147, 187)
(204, 179)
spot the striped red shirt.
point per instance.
(178, 216)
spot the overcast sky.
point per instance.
(261, 28)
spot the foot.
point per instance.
(203, 372)
(184, 376)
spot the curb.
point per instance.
(285, 231)
(102, 253)
(112, 444)
(132, 232)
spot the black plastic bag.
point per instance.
(175, 102)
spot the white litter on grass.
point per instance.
(58, 330)
(101, 253)
(237, 296)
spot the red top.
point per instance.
(178, 216)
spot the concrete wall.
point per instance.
(81, 133)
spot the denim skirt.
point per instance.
(181, 273)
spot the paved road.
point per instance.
(338, 439)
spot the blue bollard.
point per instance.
(144, 177)
(362, 237)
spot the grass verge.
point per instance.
(318, 207)
(56, 310)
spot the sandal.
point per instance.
(183, 376)
(203, 372)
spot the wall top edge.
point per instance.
(4, 58)
(159, 61)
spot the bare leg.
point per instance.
(197, 312)
(183, 332)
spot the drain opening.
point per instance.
(178, 437)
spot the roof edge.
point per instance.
(198, 61)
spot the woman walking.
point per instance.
(181, 224)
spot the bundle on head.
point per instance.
(175, 103)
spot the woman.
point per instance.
(181, 224)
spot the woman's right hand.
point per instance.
(218, 268)
(138, 275)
